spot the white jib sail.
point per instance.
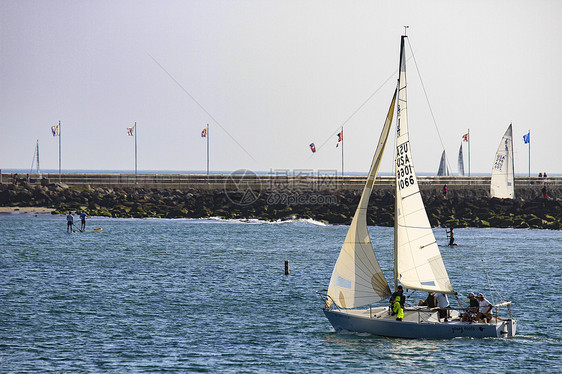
(417, 260)
(502, 184)
(357, 278)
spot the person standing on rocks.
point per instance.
(69, 222)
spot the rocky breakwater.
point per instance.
(463, 207)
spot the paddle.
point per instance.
(77, 227)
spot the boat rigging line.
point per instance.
(427, 99)
(338, 129)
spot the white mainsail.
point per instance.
(502, 184)
(417, 260)
(443, 169)
(461, 162)
(357, 278)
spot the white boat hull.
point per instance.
(417, 324)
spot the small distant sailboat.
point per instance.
(443, 169)
(461, 162)
(35, 161)
(357, 281)
(502, 184)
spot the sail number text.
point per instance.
(499, 162)
(404, 171)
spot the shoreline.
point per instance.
(463, 206)
(26, 209)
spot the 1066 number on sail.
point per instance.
(404, 171)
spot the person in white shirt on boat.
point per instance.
(485, 307)
(443, 304)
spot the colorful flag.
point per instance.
(55, 130)
(527, 138)
(465, 137)
(204, 132)
(340, 138)
(130, 130)
(312, 147)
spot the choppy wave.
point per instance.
(256, 221)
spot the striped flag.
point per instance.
(130, 130)
(55, 130)
(204, 132)
(312, 147)
(465, 137)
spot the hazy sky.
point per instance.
(270, 77)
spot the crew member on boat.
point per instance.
(430, 301)
(397, 308)
(400, 294)
(443, 304)
(472, 309)
(485, 307)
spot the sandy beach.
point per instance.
(20, 209)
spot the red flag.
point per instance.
(312, 147)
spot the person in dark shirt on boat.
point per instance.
(430, 301)
(399, 292)
(470, 314)
(397, 308)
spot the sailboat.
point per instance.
(443, 169)
(357, 281)
(461, 162)
(502, 184)
(36, 160)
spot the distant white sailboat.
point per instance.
(443, 169)
(461, 162)
(35, 161)
(357, 280)
(502, 184)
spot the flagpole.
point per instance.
(342, 153)
(529, 152)
(60, 134)
(469, 154)
(208, 153)
(135, 128)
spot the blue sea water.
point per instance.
(153, 295)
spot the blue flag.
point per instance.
(527, 138)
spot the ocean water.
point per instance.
(153, 295)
